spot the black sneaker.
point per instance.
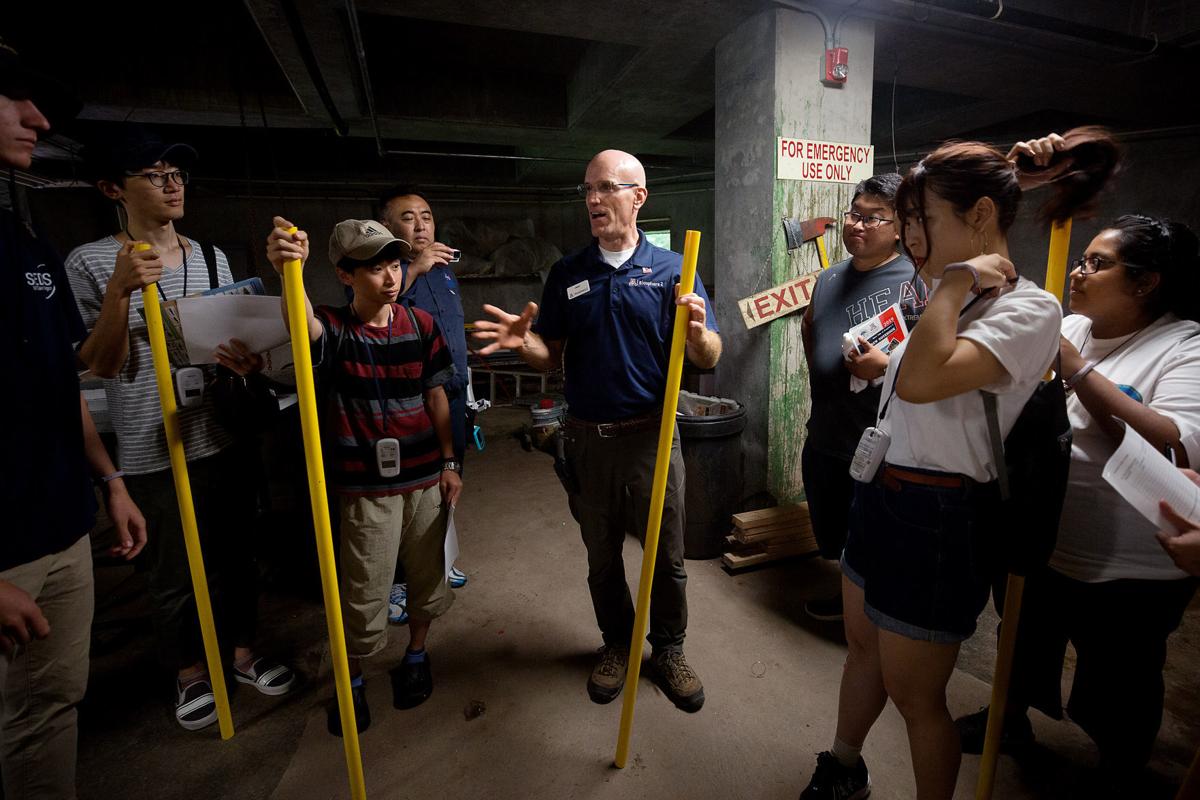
(362, 712)
(832, 781)
(195, 706)
(412, 683)
(825, 609)
(972, 729)
(608, 676)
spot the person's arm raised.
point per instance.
(283, 246)
(512, 332)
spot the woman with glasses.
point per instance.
(1130, 359)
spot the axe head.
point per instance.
(797, 231)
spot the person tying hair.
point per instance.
(1130, 358)
(917, 567)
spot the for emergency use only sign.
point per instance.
(825, 162)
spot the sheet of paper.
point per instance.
(1143, 476)
(451, 543)
(208, 321)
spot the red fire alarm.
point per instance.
(837, 66)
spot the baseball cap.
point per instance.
(132, 148)
(361, 240)
(57, 101)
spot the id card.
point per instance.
(387, 457)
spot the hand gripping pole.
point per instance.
(183, 494)
(666, 434)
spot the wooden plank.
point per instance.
(748, 519)
(778, 532)
(735, 561)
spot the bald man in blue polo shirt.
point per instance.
(606, 319)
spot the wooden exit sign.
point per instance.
(777, 302)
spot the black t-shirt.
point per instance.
(45, 493)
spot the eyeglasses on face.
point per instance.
(1090, 265)
(870, 223)
(159, 179)
(602, 187)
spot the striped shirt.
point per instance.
(133, 395)
(365, 368)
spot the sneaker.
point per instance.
(195, 706)
(608, 676)
(269, 677)
(412, 683)
(972, 730)
(397, 602)
(678, 680)
(458, 578)
(362, 712)
(832, 781)
(826, 609)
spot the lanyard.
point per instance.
(183, 253)
(383, 401)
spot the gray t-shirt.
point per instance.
(133, 395)
(843, 297)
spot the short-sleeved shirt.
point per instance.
(46, 493)
(437, 294)
(1102, 537)
(842, 298)
(362, 368)
(1021, 329)
(133, 395)
(617, 325)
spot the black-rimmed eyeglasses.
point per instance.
(870, 223)
(602, 187)
(1090, 265)
(159, 179)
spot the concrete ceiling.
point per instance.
(524, 91)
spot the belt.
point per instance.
(894, 476)
(609, 430)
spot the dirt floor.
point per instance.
(510, 717)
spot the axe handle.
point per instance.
(820, 240)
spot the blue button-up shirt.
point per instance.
(617, 325)
(436, 292)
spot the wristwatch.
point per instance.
(452, 465)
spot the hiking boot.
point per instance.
(833, 781)
(362, 712)
(678, 680)
(825, 609)
(412, 683)
(608, 676)
(972, 729)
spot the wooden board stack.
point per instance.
(769, 535)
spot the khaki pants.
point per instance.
(46, 679)
(375, 530)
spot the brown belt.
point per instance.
(608, 430)
(894, 476)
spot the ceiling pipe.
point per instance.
(364, 75)
(304, 48)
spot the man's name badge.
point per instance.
(578, 289)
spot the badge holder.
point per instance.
(387, 457)
(189, 386)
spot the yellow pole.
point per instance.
(183, 494)
(666, 434)
(1056, 273)
(293, 285)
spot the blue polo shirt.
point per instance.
(437, 294)
(617, 326)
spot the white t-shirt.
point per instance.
(615, 258)
(1021, 329)
(1103, 538)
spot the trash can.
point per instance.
(710, 431)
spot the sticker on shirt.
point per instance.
(580, 288)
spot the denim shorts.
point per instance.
(923, 555)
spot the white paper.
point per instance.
(1143, 476)
(451, 543)
(208, 321)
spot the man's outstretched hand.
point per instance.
(506, 331)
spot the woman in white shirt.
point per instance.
(918, 561)
(1131, 357)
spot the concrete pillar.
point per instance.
(767, 86)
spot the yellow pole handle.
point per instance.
(1056, 273)
(183, 494)
(293, 285)
(666, 434)
(820, 240)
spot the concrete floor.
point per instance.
(519, 643)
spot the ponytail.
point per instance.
(1075, 175)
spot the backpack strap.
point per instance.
(993, 426)
(412, 317)
(210, 262)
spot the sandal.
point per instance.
(269, 677)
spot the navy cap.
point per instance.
(57, 101)
(132, 148)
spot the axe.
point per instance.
(797, 232)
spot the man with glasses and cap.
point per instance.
(51, 452)
(606, 319)
(147, 178)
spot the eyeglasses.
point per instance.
(159, 179)
(1090, 265)
(870, 223)
(602, 187)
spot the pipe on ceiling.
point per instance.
(304, 48)
(364, 74)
